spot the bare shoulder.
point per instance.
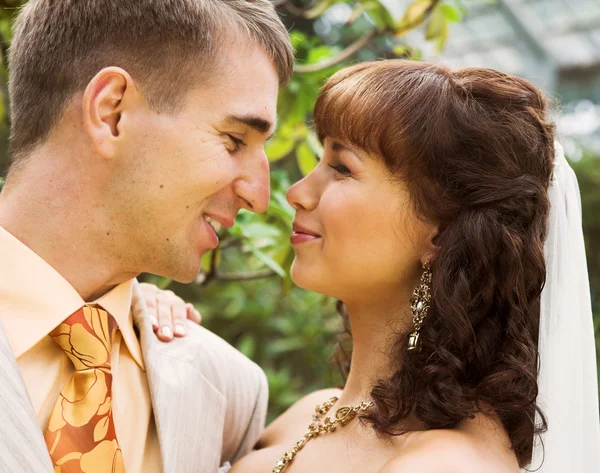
(294, 422)
(282, 433)
(449, 451)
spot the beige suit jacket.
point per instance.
(209, 402)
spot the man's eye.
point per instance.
(237, 142)
(341, 169)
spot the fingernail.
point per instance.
(179, 330)
(166, 332)
(154, 322)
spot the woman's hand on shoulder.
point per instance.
(168, 312)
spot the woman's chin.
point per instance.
(307, 278)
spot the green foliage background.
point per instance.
(244, 291)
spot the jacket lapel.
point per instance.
(21, 440)
(188, 410)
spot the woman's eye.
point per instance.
(341, 169)
(237, 142)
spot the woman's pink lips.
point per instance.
(302, 234)
(297, 238)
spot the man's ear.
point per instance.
(105, 102)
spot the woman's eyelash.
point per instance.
(341, 169)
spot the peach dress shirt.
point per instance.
(34, 299)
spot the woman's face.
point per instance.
(355, 233)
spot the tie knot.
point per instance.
(86, 336)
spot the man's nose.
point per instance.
(253, 189)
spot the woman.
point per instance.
(427, 217)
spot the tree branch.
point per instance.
(345, 54)
(228, 243)
(293, 9)
(212, 272)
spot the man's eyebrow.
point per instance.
(255, 122)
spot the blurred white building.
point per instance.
(553, 43)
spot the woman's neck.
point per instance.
(375, 327)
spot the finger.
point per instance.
(165, 320)
(149, 291)
(193, 314)
(179, 314)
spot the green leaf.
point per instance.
(319, 53)
(318, 9)
(306, 158)
(416, 55)
(451, 13)
(259, 229)
(442, 38)
(267, 260)
(206, 260)
(279, 147)
(380, 15)
(285, 345)
(356, 14)
(280, 207)
(415, 14)
(247, 345)
(436, 26)
(401, 50)
(298, 39)
(302, 103)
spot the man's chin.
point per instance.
(185, 279)
(188, 274)
(185, 272)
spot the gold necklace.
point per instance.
(320, 425)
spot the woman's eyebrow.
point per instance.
(337, 146)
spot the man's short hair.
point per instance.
(167, 46)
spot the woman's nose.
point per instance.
(302, 195)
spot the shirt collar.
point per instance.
(35, 298)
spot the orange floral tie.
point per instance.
(81, 434)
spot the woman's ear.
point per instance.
(104, 102)
(430, 249)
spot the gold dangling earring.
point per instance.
(419, 304)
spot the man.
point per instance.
(138, 131)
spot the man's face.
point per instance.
(206, 161)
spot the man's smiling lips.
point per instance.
(302, 234)
(218, 222)
(215, 224)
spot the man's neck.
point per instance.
(52, 215)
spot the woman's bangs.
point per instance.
(347, 111)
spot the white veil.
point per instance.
(568, 387)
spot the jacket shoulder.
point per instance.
(222, 364)
(241, 381)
